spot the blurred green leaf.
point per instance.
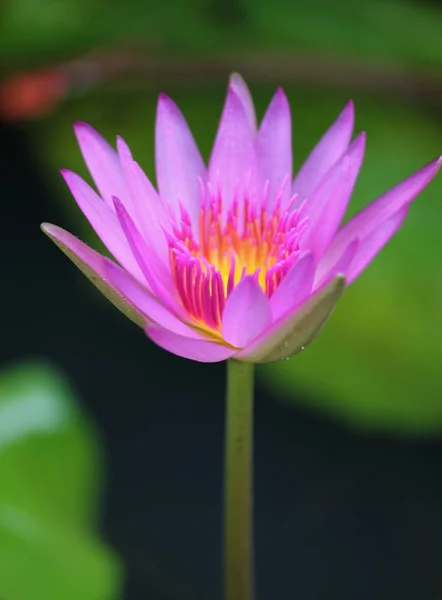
(406, 32)
(49, 482)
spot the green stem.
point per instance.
(238, 548)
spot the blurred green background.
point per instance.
(49, 487)
(377, 365)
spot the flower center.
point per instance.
(249, 238)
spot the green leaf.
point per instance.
(49, 481)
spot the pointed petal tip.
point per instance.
(72, 179)
(348, 115)
(280, 93)
(123, 148)
(334, 286)
(358, 144)
(437, 163)
(119, 206)
(165, 103)
(339, 281)
(327, 152)
(280, 99)
(430, 170)
(238, 95)
(48, 228)
(81, 127)
(68, 175)
(64, 239)
(166, 108)
(236, 79)
(349, 109)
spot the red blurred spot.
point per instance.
(31, 95)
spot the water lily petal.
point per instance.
(179, 164)
(246, 313)
(104, 221)
(91, 264)
(145, 303)
(296, 328)
(325, 271)
(232, 164)
(274, 147)
(328, 150)
(326, 206)
(295, 287)
(181, 249)
(103, 164)
(152, 215)
(387, 205)
(369, 246)
(157, 275)
(240, 87)
(198, 350)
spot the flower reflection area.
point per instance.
(235, 260)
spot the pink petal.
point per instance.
(241, 89)
(326, 206)
(387, 205)
(246, 314)
(200, 351)
(91, 264)
(179, 164)
(152, 215)
(104, 221)
(103, 164)
(295, 287)
(274, 146)
(296, 328)
(329, 149)
(326, 272)
(374, 242)
(157, 275)
(144, 302)
(233, 162)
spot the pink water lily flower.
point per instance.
(236, 259)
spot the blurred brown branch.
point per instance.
(334, 72)
(30, 95)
